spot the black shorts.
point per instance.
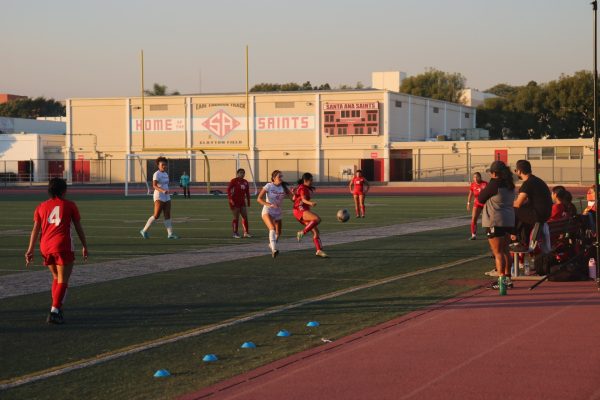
(498, 231)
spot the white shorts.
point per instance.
(161, 196)
(275, 213)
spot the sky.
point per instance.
(91, 48)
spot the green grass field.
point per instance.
(110, 316)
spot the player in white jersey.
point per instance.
(271, 198)
(162, 199)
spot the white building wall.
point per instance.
(18, 125)
(26, 147)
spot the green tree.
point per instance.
(32, 108)
(435, 84)
(160, 90)
(561, 108)
(287, 87)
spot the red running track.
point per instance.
(541, 344)
(97, 190)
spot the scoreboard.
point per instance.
(351, 119)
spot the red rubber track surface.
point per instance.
(540, 344)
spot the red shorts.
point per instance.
(478, 204)
(299, 214)
(358, 193)
(63, 258)
(237, 205)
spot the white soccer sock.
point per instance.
(272, 239)
(149, 223)
(169, 226)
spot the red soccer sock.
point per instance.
(59, 295)
(317, 243)
(234, 225)
(356, 209)
(54, 283)
(309, 227)
(245, 224)
(473, 228)
(362, 209)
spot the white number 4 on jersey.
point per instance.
(54, 217)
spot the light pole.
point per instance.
(596, 170)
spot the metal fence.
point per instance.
(460, 167)
(420, 168)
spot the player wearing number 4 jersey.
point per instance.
(53, 219)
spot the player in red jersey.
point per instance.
(304, 215)
(476, 187)
(238, 194)
(53, 219)
(356, 187)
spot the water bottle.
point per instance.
(527, 269)
(502, 285)
(592, 268)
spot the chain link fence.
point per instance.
(432, 168)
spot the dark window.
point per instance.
(398, 104)
(436, 110)
(467, 115)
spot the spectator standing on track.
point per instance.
(476, 187)
(184, 182)
(533, 204)
(499, 219)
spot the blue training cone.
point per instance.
(313, 324)
(162, 373)
(283, 333)
(248, 345)
(210, 358)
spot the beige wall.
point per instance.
(283, 128)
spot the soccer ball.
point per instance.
(343, 215)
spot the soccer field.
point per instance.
(113, 316)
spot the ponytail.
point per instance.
(506, 176)
(307, 176)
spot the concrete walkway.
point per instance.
(35, 282)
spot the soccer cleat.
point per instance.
(144, 234)
(55, 318)
(236, 236)
(362, 216)
(473, 237)
(299, 235)
(173, 236)
(275, 253)
(321, 253)
(496, 285)
(492, 273)
(247, 235)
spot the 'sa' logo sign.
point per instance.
(220, 124)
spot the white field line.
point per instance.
(12, 285)
(120, 353)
